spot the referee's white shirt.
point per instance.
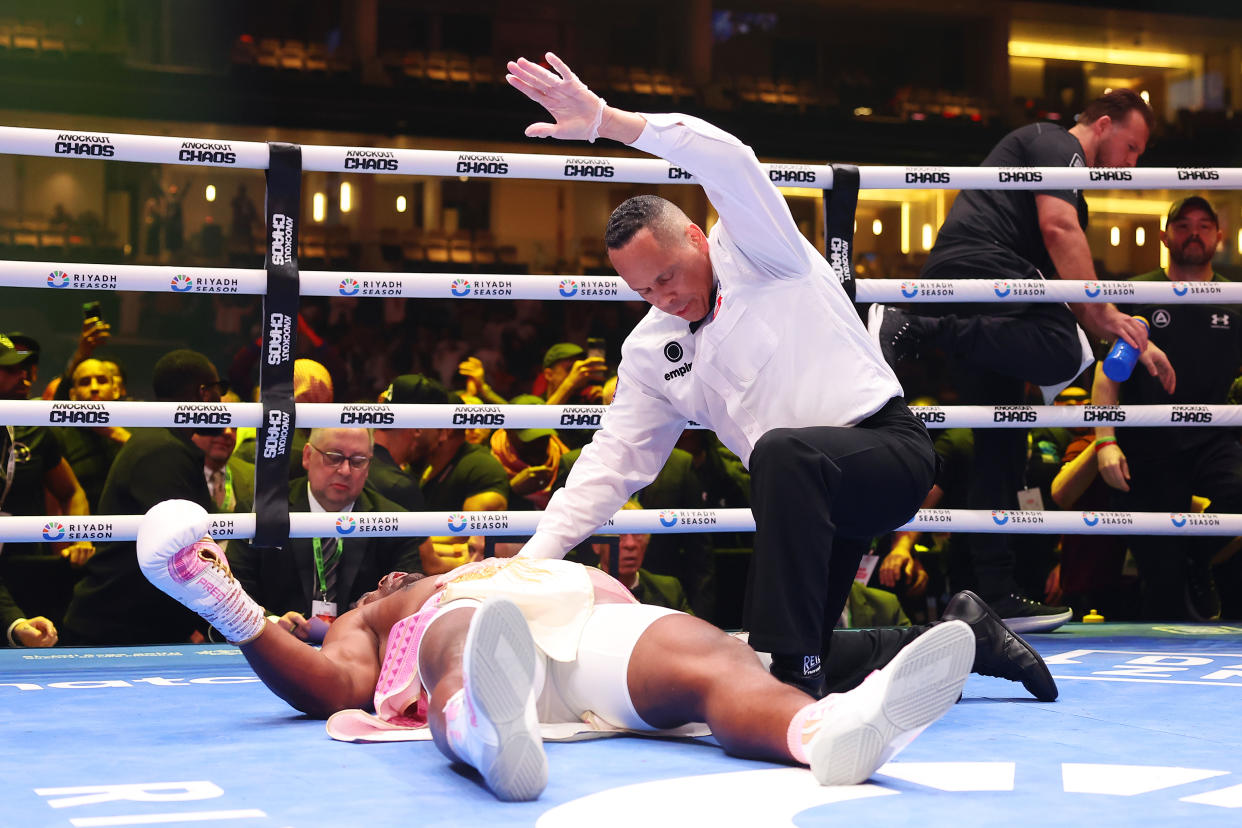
(784, 346)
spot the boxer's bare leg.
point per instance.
(482, 665)
(439, 665)
(683, 669)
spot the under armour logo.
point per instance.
(1220, 320)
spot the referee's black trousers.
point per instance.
(819, 495)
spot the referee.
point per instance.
(752, 335)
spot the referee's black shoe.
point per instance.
(1202, 597)
(999, 651)
(801, 673)
(900, 335)
(1023, 615)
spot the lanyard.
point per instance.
(10, 464)
(230, 499)
(320, 569)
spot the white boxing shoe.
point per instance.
(491, 722)
(175, 554)
(854, 733)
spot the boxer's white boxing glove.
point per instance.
(176, 556)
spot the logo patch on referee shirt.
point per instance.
(673, 352)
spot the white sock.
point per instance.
(461, 730)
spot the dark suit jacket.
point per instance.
(114, 603)
(243, 483)
(284, 579)
(247, 448)
(661, 591)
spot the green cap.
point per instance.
(562, 351)
(530, 435)
(11, 353)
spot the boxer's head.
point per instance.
(661, 255)
(390, 583)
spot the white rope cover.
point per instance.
(382, 415)
(665, 521)
(363, 284)
(255, 155)
(154, 149)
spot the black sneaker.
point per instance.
(1202, 599)
(999, 651)
(900, 335)
(1022, 615)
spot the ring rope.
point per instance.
(386, 415)
(55, 528)
(550, 287)
(160, 149)
(255, 155)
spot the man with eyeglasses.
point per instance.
(310, 581)
(113, 603)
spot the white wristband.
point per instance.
(13, 642)
(599, 119)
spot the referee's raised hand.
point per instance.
(579, 113)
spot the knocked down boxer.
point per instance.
(500, 643)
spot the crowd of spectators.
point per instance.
(83, 593)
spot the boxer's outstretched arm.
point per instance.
(339, 676)
(343, 673)
(175, 555)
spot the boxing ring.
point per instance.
(181, 734)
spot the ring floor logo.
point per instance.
(53, 530)
(1001, 288)
(1178, 519)
(1090, 518)
(909, 289)
(668, 518)
(348, 287)
(181, 283)
(568, 288)
(58, 279)
(1092, 289)
(460, 287)
(456, 522)
(1000, 517)
(344, 524)
(1180, 288)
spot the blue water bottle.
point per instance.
(1121, 358)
